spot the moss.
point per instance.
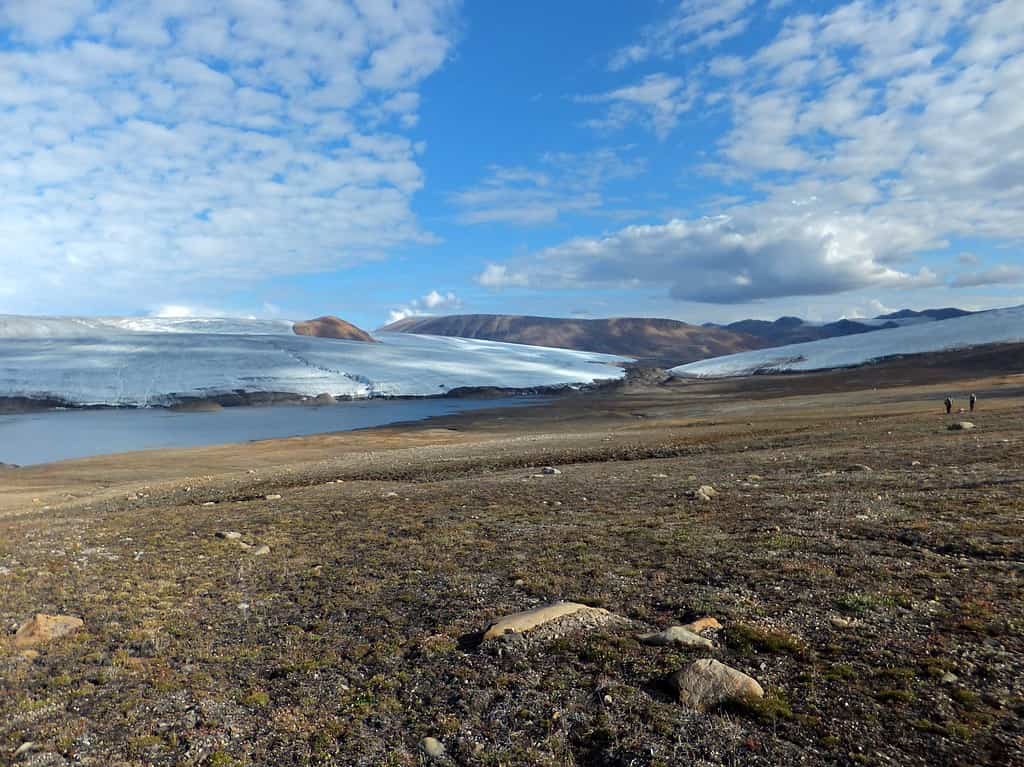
(768, 709)
(745, 638)
(894, 695)
(256, 699)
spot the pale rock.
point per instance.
(529, 620)
(44, 628)
(433, 748)
(676, 636)
(707, 683)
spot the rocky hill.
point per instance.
(332, 327)
(660, 342)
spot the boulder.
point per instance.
(707, 683)
(45, 628)
(676, 636)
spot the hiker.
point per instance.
(949, 405)
(974, 400)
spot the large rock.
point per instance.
(332, 327)
(45, 628)
(582, 616)
(676, 636)
(707, 683)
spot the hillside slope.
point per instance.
(652, 341)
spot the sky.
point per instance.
(704, 160)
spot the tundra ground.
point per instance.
(864, 561)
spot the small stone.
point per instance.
(209, 503)
(260, 551)
(707, 683)
(960, 426)
(24, 748)
(390, 495)
(229, 535)
(859, 467)
(433, 748)
(273, 497)
(676, 636)
(44, 628)
(704, 493)
(549, 471)
(950, 678)
(840, 622)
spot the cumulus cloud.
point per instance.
(656, 102)
(158, 148)
(999, 275)
(723, 259)
(432, 303)
(562, 183)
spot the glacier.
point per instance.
(142, 361)
(995, 326)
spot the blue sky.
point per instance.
(703, 160)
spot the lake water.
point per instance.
(32, 438)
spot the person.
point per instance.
(974, 400)
(949, 405)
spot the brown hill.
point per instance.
(332, 327)
(660, 342)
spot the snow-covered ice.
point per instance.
(996, 326)
(150, 361)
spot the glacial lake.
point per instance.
(33, 438)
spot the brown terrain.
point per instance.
(663, 343)
(325, 600)
(332, 327)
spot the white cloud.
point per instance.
(657, 102)
(693, 24)
(999, 275)
(562, 183)
(861, 140)
(160, 149)
(432, 303)
(725, 259)
(499, 276)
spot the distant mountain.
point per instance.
(659, 342)
(793, 330)
(332, 327)
(935, 314)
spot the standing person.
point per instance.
(949, 405)
(974, 400)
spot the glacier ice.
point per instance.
(139, 361)
(995, 326)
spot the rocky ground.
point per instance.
(324, 601)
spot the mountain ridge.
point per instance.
(652, 340)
